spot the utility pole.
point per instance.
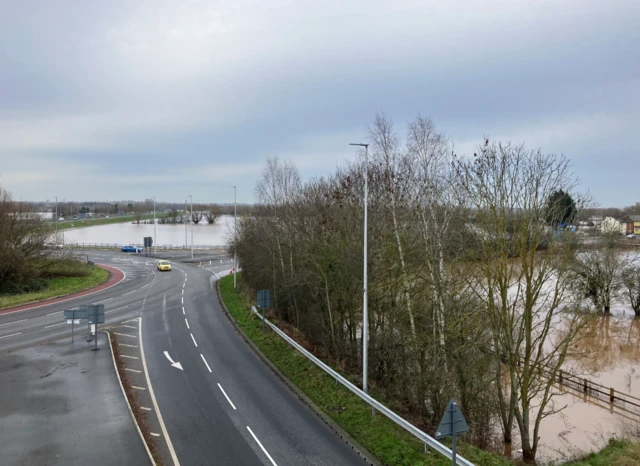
(365, 311)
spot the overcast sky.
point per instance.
(125, 99)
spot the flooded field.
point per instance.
(129, 233)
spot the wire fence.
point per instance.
(422, 436)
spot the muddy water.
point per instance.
(130, 233)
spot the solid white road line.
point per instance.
(14, 322)
(154, 434)
(145, 408)
(187, 322)
(129, 326)
(132, 370)
(225, 395)
(138, 388)
(194, 340)
(12, 335)
(263, 449)
(130, 346)
(124, 335)
(52, 313)
(155, 403)
(205, 361)
(129, 357)
(55, 325)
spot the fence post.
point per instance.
(612, 395)
(585, 385)
(560, 376)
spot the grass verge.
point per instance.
(616, 453)
(59, 286)
(133, 402)
(391, 444)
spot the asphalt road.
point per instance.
(225, 406)
(63, 405)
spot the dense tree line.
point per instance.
(467, 274)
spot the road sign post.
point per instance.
(452, 424)
(96, 316)
(73, 316)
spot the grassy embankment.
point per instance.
(92, 222)
(617, 453)
(387, 441)
(64, 278)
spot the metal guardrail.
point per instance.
(422, 436)
(159, 246)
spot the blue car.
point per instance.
(131, 249)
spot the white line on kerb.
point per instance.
(12, 335)
(263, 449)
(14, 322)
(55, 325)
(194, 340)
(205, 361)
(217, 276)
(187, 322)
(225, 395)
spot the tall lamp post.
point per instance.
(235, 237)
(155, 248)
(56, 221)
(191, 197)
(365, 311)
(186, 209)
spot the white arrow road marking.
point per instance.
(177, 365)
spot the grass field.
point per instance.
(390, 443)
(82, 277)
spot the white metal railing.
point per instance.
(120, 245)
(422, 436)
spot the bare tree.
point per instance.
(198, 214)
(525, 291)
(631, 282)
(211, 213)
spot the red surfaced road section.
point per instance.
(116, 277)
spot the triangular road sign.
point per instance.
(452, 418)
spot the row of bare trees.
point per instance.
(469, 281)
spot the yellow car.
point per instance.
(164, 266)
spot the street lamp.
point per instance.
(365, 311)
(56, 221)
(191, 197)
(155, 248)
(186, 209)
(235, 236)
